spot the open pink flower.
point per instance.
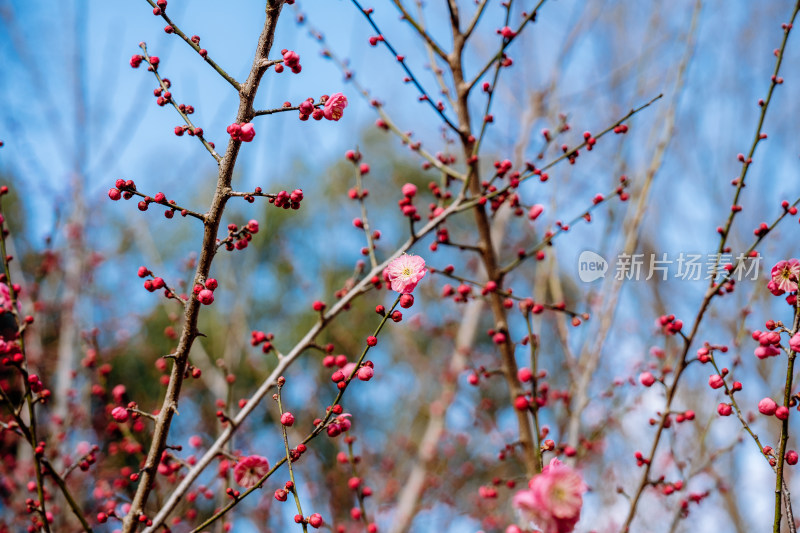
(249, 470)
(334, 106)
(553, 499)
(405, 272)
(784, 277)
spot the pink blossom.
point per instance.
(406, 301)
(657, 352)
(554, 498)
(120, 414)
(334, 106)
(291, 59)
(762, 352)
(287, 419)
(409, 190)
(306, 107)
(206, 297)
(507, 32)
(247, 132)
(348, 369)
(784, 277)
(405, 272)
(249, 470)
(5, 298)
(315, 520)
(794, 342)
(118, 393)
(773, 288)
(535, 211)
(83, 448)
(242, 132)
(767, 406)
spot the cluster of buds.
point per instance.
(37, 387)
(768, 342)
(641, 460)
(242, 132)
(238, 238)
(590, 140)
(354, 157)
(507, 32)
(122, 189)
(791, 456)
(162, 95)
(462, 292)
(308, 109)
(445, 159)
(161, 7)
(152, 285)
(10, 353)
(291, 59)
(543, 176)
(502, 167)
(315, 520)
(120, 414)
(396, 316)
(572, 155)
(768, 407)
(180, 130)
(512, 199)
(365, 371)
(167, 465)
(527, 305)
(264, 339)
(341, 424)
(136, 60)
(205, 292)
(295, 453)
(288, 200)
(669, 325)
(196, 40)
(621, 129)
(705, 353)
(409, 190)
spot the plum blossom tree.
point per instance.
(402, 342)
